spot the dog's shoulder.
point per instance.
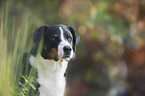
(29, 72)
(27, 68)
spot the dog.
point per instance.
(54, 46)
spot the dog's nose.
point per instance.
(67, 49)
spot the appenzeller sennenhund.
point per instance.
(54, 46)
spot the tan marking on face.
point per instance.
(55, 35)
(53, 53)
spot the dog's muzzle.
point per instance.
(67, 51)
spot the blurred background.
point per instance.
(110, 58)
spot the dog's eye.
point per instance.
(69, 39)
(55, 37)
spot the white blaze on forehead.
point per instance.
(61, 33)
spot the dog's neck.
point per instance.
(50, 75)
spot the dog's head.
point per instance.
(58, 41)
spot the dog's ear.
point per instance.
(39, 34)
(76, 37)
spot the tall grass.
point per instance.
(12, 47)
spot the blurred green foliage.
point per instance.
(110, 58)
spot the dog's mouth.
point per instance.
(65, 56)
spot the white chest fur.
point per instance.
(50, 75)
